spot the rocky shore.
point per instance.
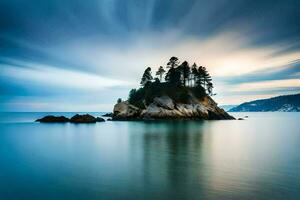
(166, 108)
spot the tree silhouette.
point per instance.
(181, 82)
(160, 72)
(206, 77)
(194, 77)
(195, 74)
(173, 76)
(147, 77)
(173, 62)
(201, 74)
(185, 71)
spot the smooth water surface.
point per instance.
(257, 158)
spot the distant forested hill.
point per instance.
(287, 103)
(227, 107)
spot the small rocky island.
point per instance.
(182, 92)
(86, 118)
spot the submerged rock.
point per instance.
(165, 108)
(53, 119)
(86, 118)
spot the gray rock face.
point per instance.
(164, 102)
(124, 110)
(165, 108)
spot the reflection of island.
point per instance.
(170, 154)
(185, 94)
(196, 159)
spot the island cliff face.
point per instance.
(166, 108)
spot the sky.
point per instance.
(73, 55)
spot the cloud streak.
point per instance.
(268, 85)
(58, 77)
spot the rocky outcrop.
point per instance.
(85, 119)
(165, 108)
(125, 111)
(75, 119)
(164, 102)
(53, 119)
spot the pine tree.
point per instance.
(173, 62)
(147, 77)
(185, 72)
(173, 76)
(195, 74)
(206, 77)
(201, 75)
(160, 72)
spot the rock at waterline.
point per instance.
(99, 119)
(75, 119)
(165, 107)
(53, 119)
(125, 111)
(107, 115)
(85, 119)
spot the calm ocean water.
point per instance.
(257, 158)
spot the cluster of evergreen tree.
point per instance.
(177, 80)
(180, 74)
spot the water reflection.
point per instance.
(170, 155)
(211, 159)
